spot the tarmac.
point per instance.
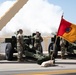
(60, 64)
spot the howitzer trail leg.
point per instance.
(50, 62)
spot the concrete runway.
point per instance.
(61, 67)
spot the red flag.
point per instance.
(67, 31)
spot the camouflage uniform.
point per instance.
(63, 48)
(20, 46)
(37, 43)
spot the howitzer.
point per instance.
(29, 50)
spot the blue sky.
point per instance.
(68, 6)
(5, 0)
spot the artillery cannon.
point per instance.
(29, 51)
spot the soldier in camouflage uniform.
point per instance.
(37, 43)
(63, 48)
(20, 44)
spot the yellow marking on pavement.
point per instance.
(50, 72)
(37, 74)
(31, 74)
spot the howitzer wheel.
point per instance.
(8, 52)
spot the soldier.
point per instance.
(20, 44)
(63, 48)
(51, 45)
(37, 43)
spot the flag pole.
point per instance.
(52, 56)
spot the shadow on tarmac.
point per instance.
(33, 61)
(66, 74)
